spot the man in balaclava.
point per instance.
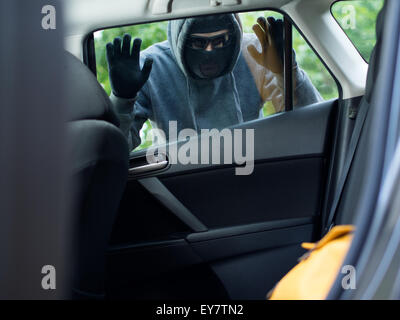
(208, 74)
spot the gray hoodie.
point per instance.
(171, 94)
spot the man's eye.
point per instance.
(198, 43)
(217, 43)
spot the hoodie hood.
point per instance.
(212, 103)
(180, 30)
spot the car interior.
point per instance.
(99, 155)
(199, 231)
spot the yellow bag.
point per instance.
(313, 276)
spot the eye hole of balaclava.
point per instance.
(209, 47)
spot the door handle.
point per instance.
(140, 165)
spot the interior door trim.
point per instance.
(246, 229)
(162, 194)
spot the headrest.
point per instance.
(375, 55)
(86, 97)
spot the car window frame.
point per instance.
(89, 57)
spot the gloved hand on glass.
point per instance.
(126, 77)
(270, 33)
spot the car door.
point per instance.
(201, 230)
(205, 228)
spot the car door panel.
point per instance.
(252, 276)
(285, 189)
(242, 243)
(284, 135)
(252, 223)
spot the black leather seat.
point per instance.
(99, 154)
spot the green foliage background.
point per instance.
(363, 37)
(363, 34)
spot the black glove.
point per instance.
(126, 78)
(277, 32)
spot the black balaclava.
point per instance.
(202, 64)
(211, 103)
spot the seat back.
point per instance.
(99, 155)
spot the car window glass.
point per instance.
(358, 20)
(255, 84)
(310, 63)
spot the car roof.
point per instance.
(104, 13)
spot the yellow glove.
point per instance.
(268, 57)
